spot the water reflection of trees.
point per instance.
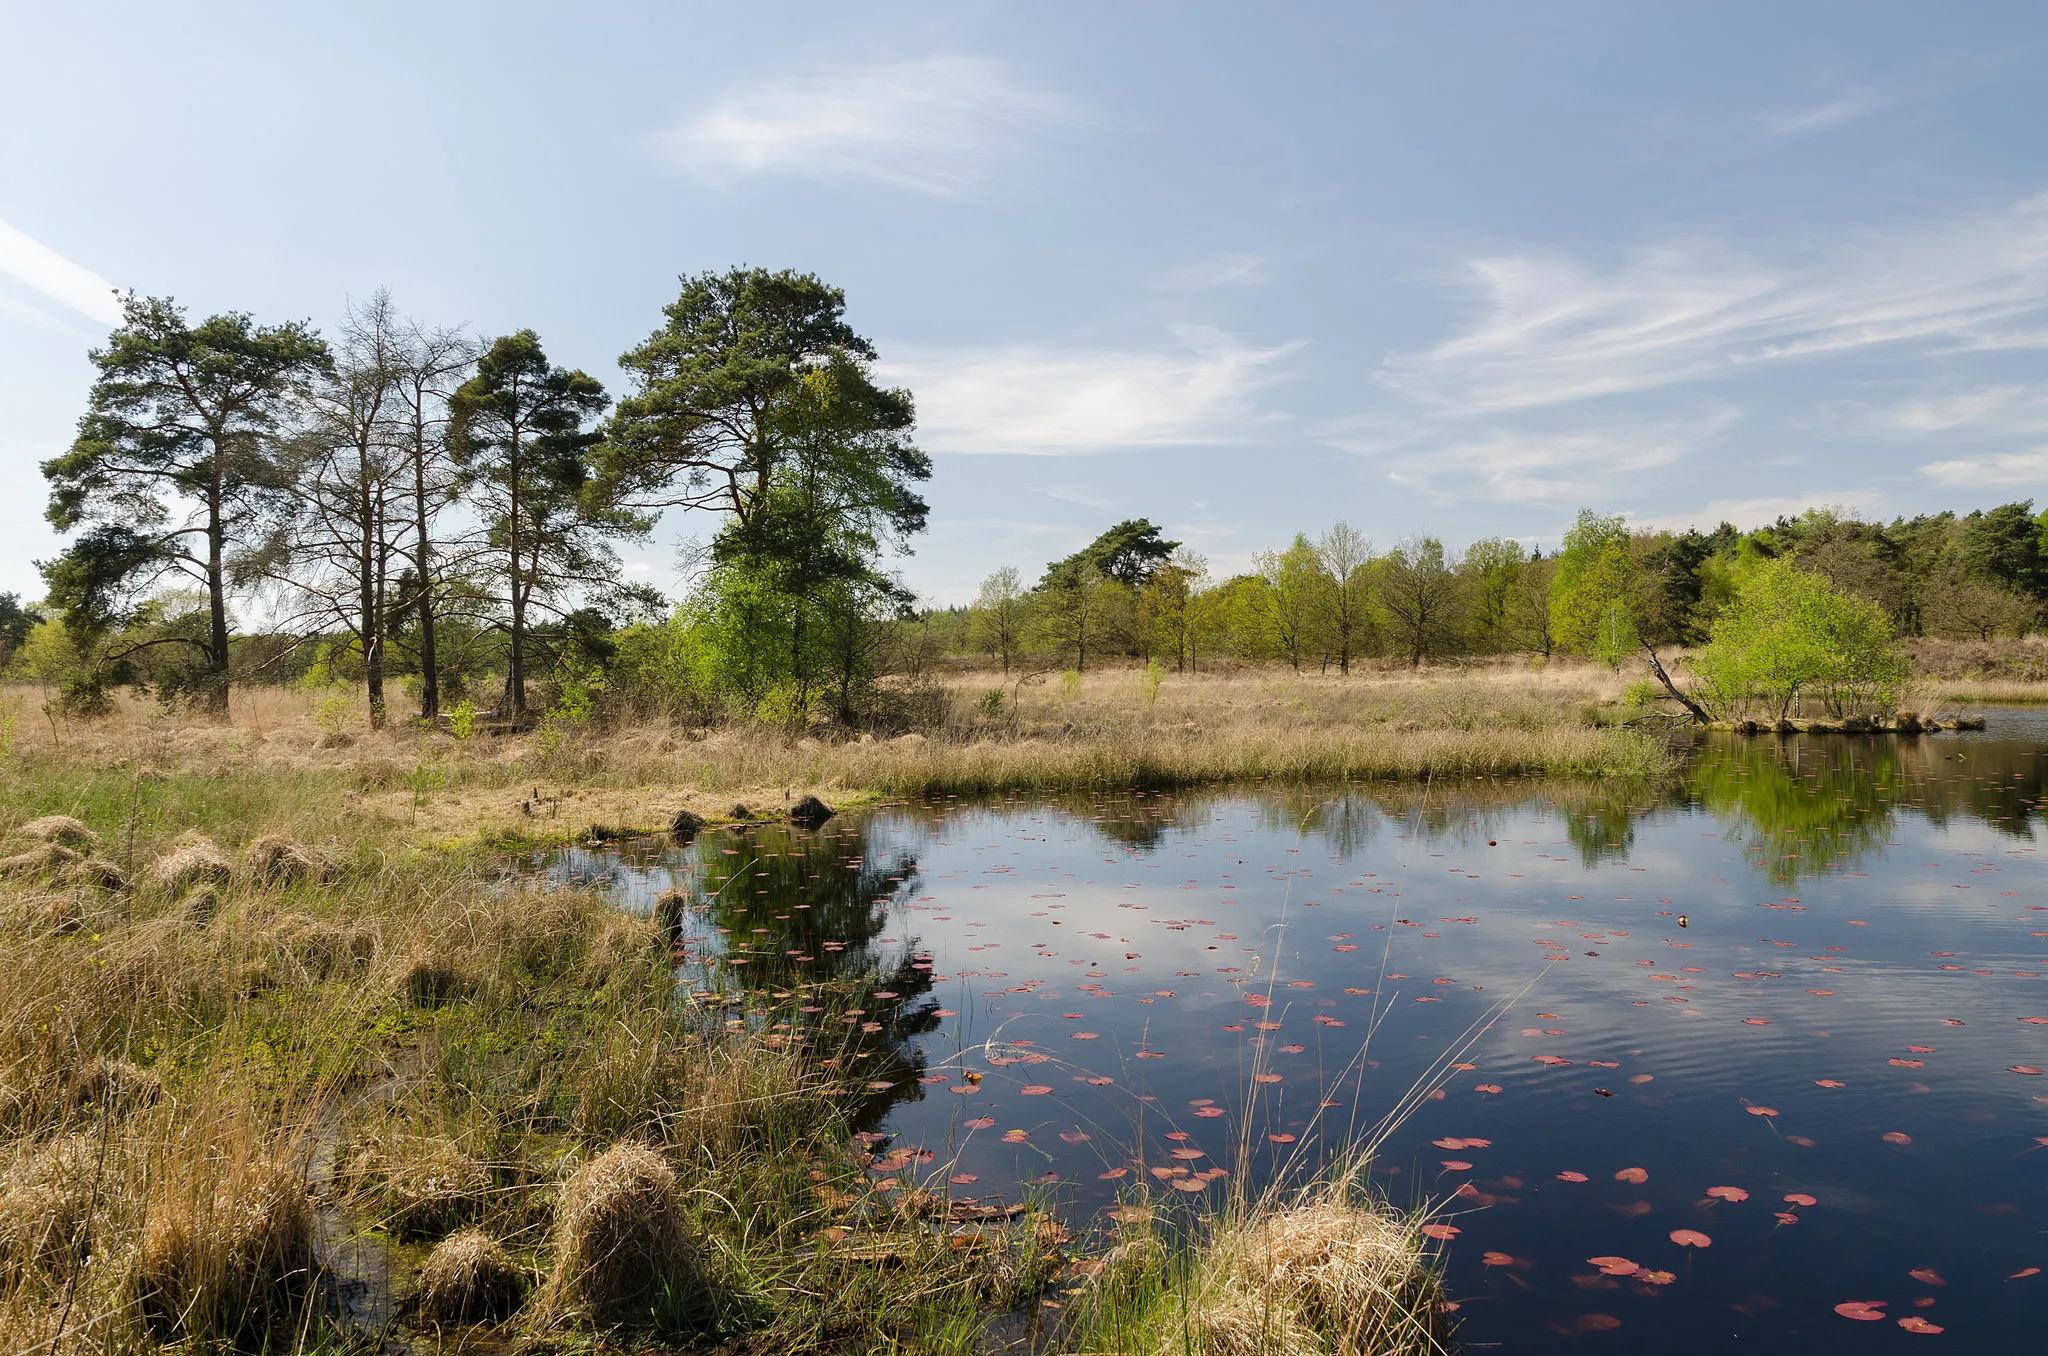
(1811, 804)
(805, 913)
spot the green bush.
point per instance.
(1788, 635)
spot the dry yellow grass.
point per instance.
(620, 1244)
(1318, 1275)
(1043, 734)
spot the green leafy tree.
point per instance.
(518, 430)
(1345, 558)
(16, 622)
(1493, 570)
(1128, 553)
(175, 460)
(725, 400)
(1002, 612)
(1295, 597)
(1418, 588)
(1076, 605)
(1596, 594)
(1790, 634)
(1172, 607)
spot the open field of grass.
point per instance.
(285, 755)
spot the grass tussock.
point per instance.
(1322, 1275)
(470, 1278)
(621, 1246)
(232, 1263)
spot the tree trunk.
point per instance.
(1657, 667)
(215, 698)
(515, 666)
(430, 675)
(368, 624)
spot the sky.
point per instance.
(1242, 270)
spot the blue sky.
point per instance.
(1244, 270)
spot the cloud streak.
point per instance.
(1555, 330)
(1516, 465)
(1043, 400)
(933, 125)
(1821, 117)
(42, 269)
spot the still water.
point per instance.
(1771, 1036)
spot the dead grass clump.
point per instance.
(230, 1264)
(194, 862)
(620, 1247)
(116, 1085)
(62, 829)
(426, 980)
(1325, 1275)
(468, 1278)
(46, 1206)
(422, 1185)
(40, 862)
(623, 942)
(318, 948)
(280, 859)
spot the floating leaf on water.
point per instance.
(1635, 1175)
(1897, 1137)
(1614, 1266)
(1863, 1311)
(1915, 1323)
(1728, 1193)
(1690, 1238)
(1444, 1232)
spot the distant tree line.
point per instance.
(401, 503)
(1328, 602)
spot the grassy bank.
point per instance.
(315, 760)
(284, 1063)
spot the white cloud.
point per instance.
(932, 125)
(1986, 408)
(1557, 330)
(1224, 270)
(1995, 468)
(1748, 514)
(1834, 113)
(1519, 465)
(1049, 401)
(38, 266)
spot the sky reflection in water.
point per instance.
(1863, 913)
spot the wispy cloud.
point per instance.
(1513, 465)
(1051, 401)
(1075, 497)
(934, 125)
(1995, 468)
(1223, 270)
(1748, 514)
(1820, 117)
(41, 268)
(1556, 330)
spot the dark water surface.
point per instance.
(1854, 1015)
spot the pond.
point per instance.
(1772, 1036)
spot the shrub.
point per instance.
(1790, 634)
